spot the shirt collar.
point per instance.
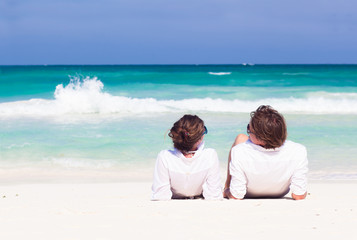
(197, 153)
(262, 149)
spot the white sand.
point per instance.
(123, 211)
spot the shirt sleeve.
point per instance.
(299, 180)
(212, 188)
(238, 186)
(161, 189)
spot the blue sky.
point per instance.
(177, 31)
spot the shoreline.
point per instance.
(117, 210)
(124, 174)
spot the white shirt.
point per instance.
(176, 176)
(259, 172)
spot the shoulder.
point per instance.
(297, 152)
(242, 147)
(209, 151)
(293, 146)
(209, 154)
(166, 155)
(241, 153)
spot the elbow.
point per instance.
(299, 197)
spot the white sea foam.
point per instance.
(88, 97)
(219, 73)
(296, 74)
(17, 145)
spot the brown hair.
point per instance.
(268, 126)
(186, 132)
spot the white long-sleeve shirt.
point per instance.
(259, 172)
(176, 176)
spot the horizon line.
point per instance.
(177, 64)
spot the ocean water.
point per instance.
(109, 122)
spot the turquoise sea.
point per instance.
(109, 122)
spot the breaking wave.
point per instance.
(88, 97)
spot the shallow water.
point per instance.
(114, 118)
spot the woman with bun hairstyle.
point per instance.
(188, 171)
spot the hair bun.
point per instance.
(186, 132)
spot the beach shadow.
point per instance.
(269, 198)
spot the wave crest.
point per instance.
(88, 97)
(220, 73)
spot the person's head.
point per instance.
(187, 133)
(268, 127)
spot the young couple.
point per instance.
(262, 164)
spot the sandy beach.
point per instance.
(124, 210)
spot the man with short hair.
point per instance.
(265, 164)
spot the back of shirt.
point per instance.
(260, 172)
(176, 176)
